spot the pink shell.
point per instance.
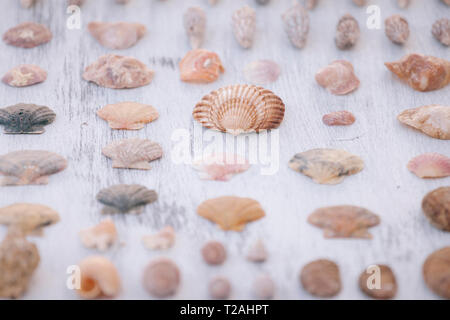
(221, 167)
(24, 75)
(430, 165)
(262, 72)
(338, 77)
(339, 118)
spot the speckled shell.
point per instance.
(126, 198)
(25, 75)
(194, 21)
(321, 278)
(240, 108)
(27, 35)
(162, 277)
(128, 115)
(29, 167)
(388, 283)
(338, 77)
(436, 271)
(296, 25)
(397, 29)
(326, 166)
(117, 35)
(200, 66)
(436, 207)
(403, 3)
(26, 118)
(430, 165)
(244, 26)
(433, 120)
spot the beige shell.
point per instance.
(162, 240)
(240, 108)
(231, 213)
(321, 278)
(200, 66)
(397, 29)
(433, 120)
(133, 153)
(117, 35)
(244, 26)
(436, 271)
(326, 166)
(162, 277)
(25, 75)
(338, 77)
(403, 3)
(388, 283)
(430, 165)
(101, 236)
(29, 167)
(128, 115)
(347, 32)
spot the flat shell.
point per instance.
(221, 167)
(384, 288)
(162, 277)
(200, 66)
(262, 72)
(27, 35)
(433, 120)
(430, 165)
(25, 75)
(126, 198)
(436, 207)
(194, 21)
(321, 278)
(339, 118)
(101, 236)
(117, 35)
(436, 272)
(128, 115)
(162, 240)
(326, 166)
(26, 118)
(338, 77)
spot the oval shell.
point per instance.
(387, 283)
(263, 287)
(117, 35)
(441, 31)
(321, 278)
(221, 167)
(296, 25)
(26, 118)
(347, 32)
(162, 240)
(240, 108)
(244, 26)
(430, 165)
(25, 75)
(339, 118)
(194, 21)
(27, 35)
(219, 288)
(214, 253)
(162, 278)
(338, 78)
(128, 115)
(262, 72)
(436, 272)
(436, 207)
(433, 120)
(101, 236)
(200, 66)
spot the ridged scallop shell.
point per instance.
(326, 166)
(296, 25)
(200, 66)
(388, 283)
(321, 278)
(240, 108)
(231, 213)
(26, 118)
(338, 77)
(339, 118)
(25, 75)
(126, 198)
(436, 270)
(162, 278)
(430, 165)
(101, 236)
(128, 115)
(244, 26)
(194, 21)
(29, 167)
(262, 72)
(433, 120)
(117, 35)
(133, 153)
(27, 35)
(221, 167)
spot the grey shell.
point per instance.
(26, 118)
(126, 198)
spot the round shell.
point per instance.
(220, 288)
(436, 272)
(240, 108)
(436, 206)
(385, 288)
(214, 253)
(26, 118)
(128, 115)
(161, 278)
(321, 278)
(126, 198)
(430, 165)
(117, 35)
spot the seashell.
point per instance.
(18, 260)
(24, 75)
(128, 115)
(436, 207)
(29, 167)
(213, 2)
(214, 253)
(162, 240)
(403, 3)
(27, 3)
(262, 72)
(118, 72)
(326, 166)
(27, 35)
(339, 118)
(117, 35)
(441, 31)
(347, 32)
(310, 4)
(78, 3)
(447, 2)
(344, 221)
(257, 252)
(200, 66)
(126, 198)
(221, 167)
(162, 277)
(433, 120)
(231, 213)
(338, 77)
(430, 165)
(262, 2)
(240, 108)
(387, 284)
(244, 26)
(26, 118)
(123, 1)
(422, 73)
(296, 25)
(194, 21)
(99, 277)
(360, 3)
(219, 288)
(263, 287)
(436, 272)
(133, 153)
(101, 237)
(321, 278)
(397, 29)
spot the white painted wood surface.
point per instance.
(402, 240)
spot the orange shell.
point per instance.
(200, 66)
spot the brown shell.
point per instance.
(321, 278)
(162, 278)
(240, 108)
(231, 213)
(101, 236)
(436, 207)
(27, 35)
(118, 72)
(25, 118)
(388, 283)
(194, 21)
(436, 272)
(422, 73)
(214, 253)
(117, 35)
(200, 66)
(344, 221)
(397, 29)
(24, 75)
(347, 32)
(433, 120)
(29, 167)
(244, 26)
(339, 118)
(430, 165)
(128, 115)
(219, 288)
(338, 77)
(441, 31)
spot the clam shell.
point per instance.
(29, 167)
(321, 278)
(26, 118)
(133, 153)
(194, 21)
(262, 72)
(436, 207)
(101, 236)
(221, 167)
(326, 166)
(430, 165)
(244, 26)
(433, 120)
(117, 35)
(25, 75)
(200, 66)
(27, 35)
(436, 271)
(162, 240)
(126, 198)
(219, 288)
(240, 108)
(338, 78)
(128, 115)
(162, 277)
(339, 118)
(388, 283)
(231, 213)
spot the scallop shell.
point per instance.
(194, 21)
(388, 283)
(221, 167)
(128, 115)
(162, 240)
(430, 165)
(162, 277)
(338, 77)
(29, 167)
(25, 75)
(296, 25)
(436, 207)
(101, 236)
(321, 278)
(126, 198)
(244, 26)
(214, 253)
(262, 72)
(422, 73)
(344, 221)
(200, 66)
(219, 288)
(27, 35)
(133, 153)
(240, 108)
(26, 118)
(231, 213)
(436, 271)
(117, 35)
(326, 166)
(257, 252)
(339, 118)
(263, 287)
(433, 120)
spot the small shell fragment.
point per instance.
(326, 166)
(194, 20)
(128, 115)
(403, 3)
(27, 3)
(263, 287)
(347, 32)
(244, 26)
(219, 288)
(25, 118)
(441, 31)
(101, 237)
(397, 29)
(338, 77)
(78, 3)
(422, 73)
(257, 252)
(27, 35)
(24, 75)
(310, 4)
(436, 207)
(214, 253)
(433, 120)
(296, 25)
(161, 277)
(430, 165)
(200, 66)
(220, 167)
(262, 72)
(321, 278)
(384, 288)
(360, 3)
(133, 153)
(262, 2)
(436, 272)
(163, 240)
(339, 118)
(118, 72)
(117, 35)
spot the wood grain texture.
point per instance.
(404, 237)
